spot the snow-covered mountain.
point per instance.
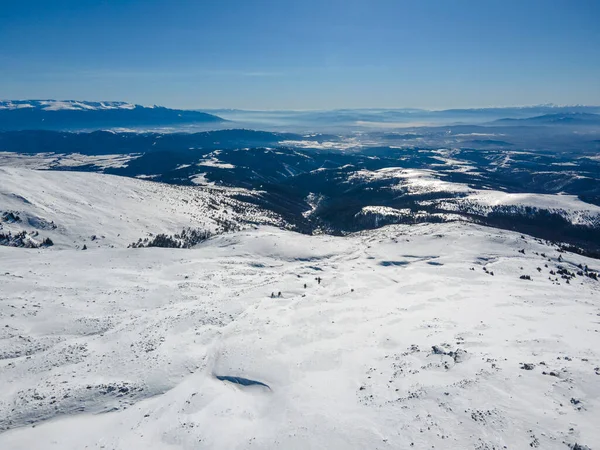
(81, 115)
(61, 105)
(553, 197)
(196, 317)
(74, 209)
(79, 208)
(422, 336)
(462, 198)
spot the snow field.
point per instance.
(401, 345)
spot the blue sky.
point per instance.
(303, 54)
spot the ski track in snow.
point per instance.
(141, 334)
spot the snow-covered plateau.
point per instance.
(447, 336)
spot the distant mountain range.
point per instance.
(74, 115)
(343, 120)
(570, 118)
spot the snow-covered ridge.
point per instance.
(382, 215)
(64, 161)
(61, 105)
(97, 210)
(420, 181)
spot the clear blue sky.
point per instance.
(311, 54)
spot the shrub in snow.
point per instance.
(22, 239)
(10, 217)
(186, 239)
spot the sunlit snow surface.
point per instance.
(141, 335)
(116, 211)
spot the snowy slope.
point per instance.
(71, 207)
(468, 199)
(64, 161)
(141, 335)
